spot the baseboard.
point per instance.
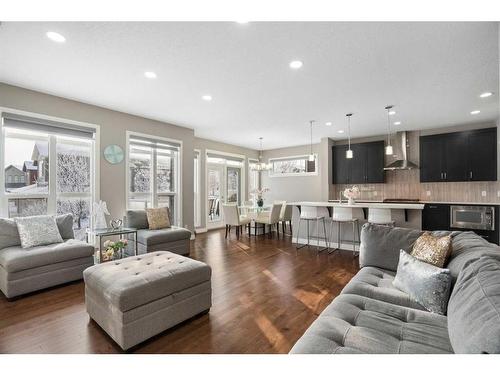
(200, 230)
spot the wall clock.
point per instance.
(113, 154)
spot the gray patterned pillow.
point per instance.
(37, 230)
(427, 284)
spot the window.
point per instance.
(253, 176)
(293, 166)
(153, 174)
(59, 158)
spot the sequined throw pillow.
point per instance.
(37, 231)
(432, 250)
(158, 218)
(426, 284)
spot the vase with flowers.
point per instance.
(351, 194)
(259, 195)
(114, 249)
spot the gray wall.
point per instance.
(113, 127)
(299, 188)
(204, 144)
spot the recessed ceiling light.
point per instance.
(328, 123)
(397, 123)
(340, 131)
(206, 98)
(55, 37)
(242, 22)
(150, 75)
(485, 94)
(475, 112)
(296, 64)
(392, 113)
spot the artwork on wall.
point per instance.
(113, 154)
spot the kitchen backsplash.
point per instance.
(406, 184)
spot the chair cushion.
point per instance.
(376, 283)
(135, 281)
(356, 324)
(157, 236)
(137, 219)
(474, 308)
(15, 259)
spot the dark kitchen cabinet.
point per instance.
(436, 217)
(461, 156)
(366, 166)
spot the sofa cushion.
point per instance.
(137, 219)
(135, 281)
(158, 218)
(65, 226)
(474, 308)
(15, 259)
(467, 247)
(380, 245)
(9, 236)
(356, 324)
(158, 236)
(427, 284)
(376, 283)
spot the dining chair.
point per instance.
(270, 218)
(232, 218)
(246, 207)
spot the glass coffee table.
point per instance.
(100, 234)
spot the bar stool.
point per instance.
(349, 215)
(318, 215)
(381, 216)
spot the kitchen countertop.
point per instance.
(361, 204)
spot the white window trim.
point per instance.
(302, 174)
(179, 202)
(94, 172)
(259, 177)
(198, 192)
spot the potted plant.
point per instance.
(259, 194)
(113, 248)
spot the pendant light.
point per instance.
(349, 154)
(312, 157)
(260, 166)
(388, 148)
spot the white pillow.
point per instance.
(37, 230)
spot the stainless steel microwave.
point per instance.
(472, 217)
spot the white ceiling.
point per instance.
(432, 72)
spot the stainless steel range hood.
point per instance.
(401, 151)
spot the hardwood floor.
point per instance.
(265, 295)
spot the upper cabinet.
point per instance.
(461, 156)
(366, 166)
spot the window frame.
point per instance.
(51, 196)
(154, 195)
(294, 157)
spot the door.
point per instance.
(223, 186)
(482, 155)
(431, 160)
(340, 165)
(455, 159)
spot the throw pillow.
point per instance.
(158, 218)
(428, 285)
(37, 230)
(9, 236)
(65, 226)
(431, 249)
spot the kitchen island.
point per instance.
(408, 215)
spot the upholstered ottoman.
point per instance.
(135, 298)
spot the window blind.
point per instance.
(154, 143)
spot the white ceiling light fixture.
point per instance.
(475, 112)
(388, 148)
(397, 123)
(392, 113)
(261, 166)
(340, 131)
(296, 64)
(207, 98)
(242, 22)
(486, 94)
(312, 157)
(150, 75)
(55, 37)
(328, 123)
(349, 154)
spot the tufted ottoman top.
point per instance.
(135, 281)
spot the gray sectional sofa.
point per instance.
(173, 239)
(27, 270)
(372, 316)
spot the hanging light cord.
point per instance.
(311, 136)
(349, 130)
